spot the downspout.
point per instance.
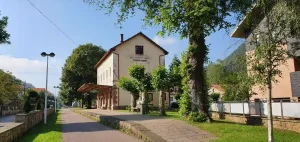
(118, 79)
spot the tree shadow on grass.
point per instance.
(53, 124)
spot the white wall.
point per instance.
(105, 72)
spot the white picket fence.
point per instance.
(280, 109)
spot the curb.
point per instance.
(127, 127)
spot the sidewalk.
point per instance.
(77, 128)
(169, 129)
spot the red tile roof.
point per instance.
(219, 87)
(114, 48)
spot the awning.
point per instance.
(92, 88)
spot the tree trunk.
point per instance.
(270, 113)
(134, 98)
(162, 103)
(197, 53)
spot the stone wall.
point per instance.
(285, 124)
(23, 122)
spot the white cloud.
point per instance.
(33, 71)
(165, 41)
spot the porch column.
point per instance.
(106, 100)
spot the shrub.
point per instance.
(174, 105)
(196, 117)
(27, 106)
(38, 105)
(215, 96)
(128, 108)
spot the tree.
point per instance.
(31, 100)
(281, 23)
(4, 36)
(231, 74)
(193, 19)
(175, 77)
(216, 72)
(9, 88)
(130, 85)
(79, 69)
(160, 82)
(143, 81)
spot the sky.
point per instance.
(31, 33)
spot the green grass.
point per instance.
(233, 132)
(50, 132)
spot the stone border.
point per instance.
(127, 127)
(283, 124)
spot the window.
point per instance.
(150, 96)
(109, 71)
(139, 50)
(106, 74)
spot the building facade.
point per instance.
(288, 86)
(138, 49)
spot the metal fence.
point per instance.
(258, 108)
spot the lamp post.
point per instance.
(55, 96)
(44, 54)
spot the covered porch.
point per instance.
(106, 96)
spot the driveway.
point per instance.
(77, 128)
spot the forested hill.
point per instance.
(236, 61)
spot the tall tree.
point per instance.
(131, 86)
(4, 36)
(9, 88)
(79, 69)
(193, 19)
(175, 77)
(281, 23)
(160, 82)
(143, 81)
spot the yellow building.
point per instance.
(138, 49)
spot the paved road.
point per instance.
(77, 128)
(7, 119)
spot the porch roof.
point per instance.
(88, 87)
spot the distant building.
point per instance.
(138, 49)
(216, 89)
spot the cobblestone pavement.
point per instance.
(169, 129)
(77, 128)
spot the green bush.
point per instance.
(215, 96)
(27, 106)
(38, 105)
(128, 108)
(174, 105)
(196, 117)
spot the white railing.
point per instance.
(279, 109)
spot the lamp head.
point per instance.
(43, 54)
(51, 54)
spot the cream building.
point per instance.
(138, 49)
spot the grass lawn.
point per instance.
(232, 132)
(50, 132)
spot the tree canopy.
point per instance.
(4, 36)
(79, 69)
(9, 87)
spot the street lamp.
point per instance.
(55, 96)
(44, 54)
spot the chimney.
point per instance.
(122, 39)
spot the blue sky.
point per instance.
(31, 34)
